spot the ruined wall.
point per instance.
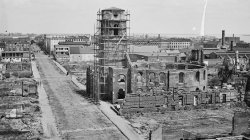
(117, 83)
(144, 79)
(172, 100)
(190, 80)
(18, 67)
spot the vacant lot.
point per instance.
(203, 121)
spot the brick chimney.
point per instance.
(231, 45)
(223, 38)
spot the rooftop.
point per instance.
(113, 9)
(77, 37)
(209, 45)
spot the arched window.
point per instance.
(139, 77)
(151, 77)
(197, 89)
(204, 75)
(181, 77)
(197, 76)
(116, 29)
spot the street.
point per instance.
(76, 117)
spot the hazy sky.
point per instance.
(147, 16)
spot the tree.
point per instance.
(225, 72)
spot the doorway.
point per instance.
(121, 94)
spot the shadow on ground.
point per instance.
(85, 95)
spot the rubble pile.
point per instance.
(19, 110)
(204, 122)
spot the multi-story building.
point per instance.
(81, 54)
(51, 41)
(16, 53)
(81, 38)
(73, 52)
(175, 44)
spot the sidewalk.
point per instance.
(122, 124)
(73, 77)
(48, 121)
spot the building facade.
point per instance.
(175, 44)
(51, 41)
(16, 53)
(80, 38)
(74, 53)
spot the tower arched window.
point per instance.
(181, 77)
(116, 29)
(197, 76)
(139, 77)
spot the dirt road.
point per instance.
(76, 117)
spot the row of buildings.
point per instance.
(69, 48)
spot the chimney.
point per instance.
(159, 36)
(237, 59)
(202, 57)
(231, 45)
(223, 38)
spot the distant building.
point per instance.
(16, 53)
(210, 49)
(51, 41)
(74, 53)
(13, 40)
(234, 39)
(61, 52)
(82, 38)
(80, 54)
(175, 44)
(242, 46)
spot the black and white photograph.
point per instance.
(124, 69)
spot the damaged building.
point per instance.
(139, 86)
(19, 109)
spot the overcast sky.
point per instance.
(147, 16)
